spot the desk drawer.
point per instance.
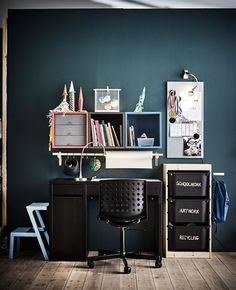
(154, 188)
(69, 189)
(93, 189)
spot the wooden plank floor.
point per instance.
(31, 272)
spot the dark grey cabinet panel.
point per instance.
(68, 223)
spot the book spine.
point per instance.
(95, 135)
(133, 135)
(121, 135)
(105, 132)
(97, 126)
(92, 130)
(102, 135)
(110, 132)
(130, 137)
(108, 135)
(115, 136)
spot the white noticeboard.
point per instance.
(185, 116)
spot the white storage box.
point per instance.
(145, 142)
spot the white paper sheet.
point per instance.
(129, 159)
(191, 106)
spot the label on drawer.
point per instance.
(188, 238)
(188, 210)
(188, 184)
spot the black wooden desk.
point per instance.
(69, 219)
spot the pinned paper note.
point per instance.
(192, 107)
(182, 129)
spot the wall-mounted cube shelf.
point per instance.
(107, 129)
(69, 130)
(137, 124)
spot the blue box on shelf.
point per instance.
(145, 142)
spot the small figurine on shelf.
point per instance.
(80, 100)
(139, 105)
(72, 96)
(64, 93)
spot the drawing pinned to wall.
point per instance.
(185, 119)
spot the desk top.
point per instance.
(71, 186)
(95, 180)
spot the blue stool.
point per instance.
(33, 231)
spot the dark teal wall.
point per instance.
(125, 49)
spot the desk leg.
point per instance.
(36, 230)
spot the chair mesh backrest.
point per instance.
(122, 199)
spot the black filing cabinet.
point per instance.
(188, 208)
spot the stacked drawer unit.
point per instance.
(188, 211)
(69, 130)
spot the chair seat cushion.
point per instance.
(121, 222)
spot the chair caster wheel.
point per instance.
(158, 264)
(91, 264)
(127, 270)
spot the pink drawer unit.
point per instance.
(69, 130)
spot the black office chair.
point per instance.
(122, 203)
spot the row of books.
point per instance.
(105, 134)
